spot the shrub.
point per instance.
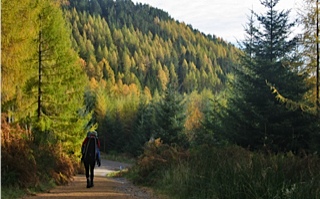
(25, 164)
(156, 158)
(55, 164)
(18, 164)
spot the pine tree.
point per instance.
(170, 117)
(269, 73)
(143, 127)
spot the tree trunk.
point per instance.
(40, 76)
(317, 72)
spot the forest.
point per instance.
(202, 117)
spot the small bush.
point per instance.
(56, 163)
(18, 164)
(156, 158)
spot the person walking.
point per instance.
(90, 155)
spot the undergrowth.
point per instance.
(229, 172)
(156, 159)
(27, 167)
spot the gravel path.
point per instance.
(115, 188)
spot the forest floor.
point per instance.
(104, 187)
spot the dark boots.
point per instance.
(89, 183)
(91, 178)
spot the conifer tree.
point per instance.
(60, 80)
(16, 49)
(311, 52)
(143, 127)
(257, 114)
(310, 21)
(170, 117)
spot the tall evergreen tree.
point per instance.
(269, 79)
(60, 80)
(170, 117)
(143, 127)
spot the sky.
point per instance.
(222, 18)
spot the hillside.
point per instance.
(142, 45)
(202, 119)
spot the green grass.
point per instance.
(118, 174)
(13, 192)
(233, 173)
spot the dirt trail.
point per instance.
(116, 188)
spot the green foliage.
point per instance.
(143, 126)
(170, 117)
(16, 49)
(233, 172)
(309, 16)
(12, 192)
(156, 158)
(211, 130)
(256, 116)
(60, 89)
(52, 77)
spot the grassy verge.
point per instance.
(13, 192)
(230, 173)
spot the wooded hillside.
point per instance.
(132, 55)
(153, 86)
(142, 45)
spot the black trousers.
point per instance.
(89, 166)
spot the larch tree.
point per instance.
(262, 109)
(309, 15)
(60, 81)
(310, 43)
(16, 50)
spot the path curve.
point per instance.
(113, 188)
